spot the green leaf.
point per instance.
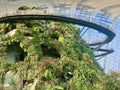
(46, 73)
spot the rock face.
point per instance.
(54, 58)
(11, 33)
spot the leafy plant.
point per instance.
(57, 58)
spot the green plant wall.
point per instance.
(57, 58)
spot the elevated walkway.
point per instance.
(38, 15)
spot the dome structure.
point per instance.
(102, 13)
(43, 54)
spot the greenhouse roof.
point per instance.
(113, 6)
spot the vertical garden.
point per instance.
(47, 55)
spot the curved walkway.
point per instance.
(110, 35)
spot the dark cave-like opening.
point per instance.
(15, 53)
(50, 51)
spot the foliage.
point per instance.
(57, 58)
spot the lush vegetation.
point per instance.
(57, 58)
